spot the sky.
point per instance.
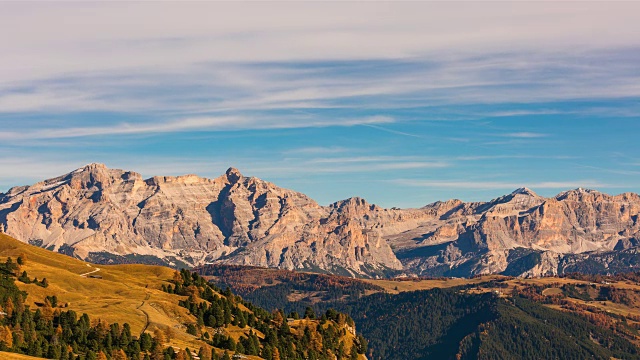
(400, 103)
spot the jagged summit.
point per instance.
(524, 191)
(581, 190)
(233, 174)
(93, 166)
(520, 199)
(87, 176)
(579, 193)
(355, 200)
(90, 168)
(95, 210)
(101, 214)
(354, 204)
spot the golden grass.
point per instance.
(547, 281)
(610, 307)
(13, 356)
(553, 288)
(397, 286)
(552, 285)
(126, 293)
(236, 332)
(551, 291)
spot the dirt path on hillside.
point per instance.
(90, 272)
(147, 323)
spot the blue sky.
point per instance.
(402, 104)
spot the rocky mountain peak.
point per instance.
(94, 175)
(355, 205)
(235, 219)
(629, 196)
(519, 200)
(94, 167)
(524, 191)
(232, 218)
(94, 170)
(233, 175)
(580, 194)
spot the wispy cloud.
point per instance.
(316, 150)
(520, 156)
(19, 169)
(525, 135)
(218, 64)
(398, 84)
(188, 124)
(309, 168)
(368, 159)
(347, 165)
(391, 131)
(516, 113)
(498, 185)
(610, 170)
(227, 32)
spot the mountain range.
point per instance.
(114, 216)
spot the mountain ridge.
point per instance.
(112, 215)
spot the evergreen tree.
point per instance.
(309, 313)
(145, 342)
(353, 353)
(125, 336)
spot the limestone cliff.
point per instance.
(110, 215)
(95, 212)
(523, 233)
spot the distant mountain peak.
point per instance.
(353, 203)
(578, 193)
(233, 174)
(94, 165)
(582, 190)
(90, 168)
(524, 191)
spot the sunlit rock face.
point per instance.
(232, 218)
(522, 233)
(110, 215)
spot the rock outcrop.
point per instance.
(106, 214)
(110, 215)
(523, 233)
